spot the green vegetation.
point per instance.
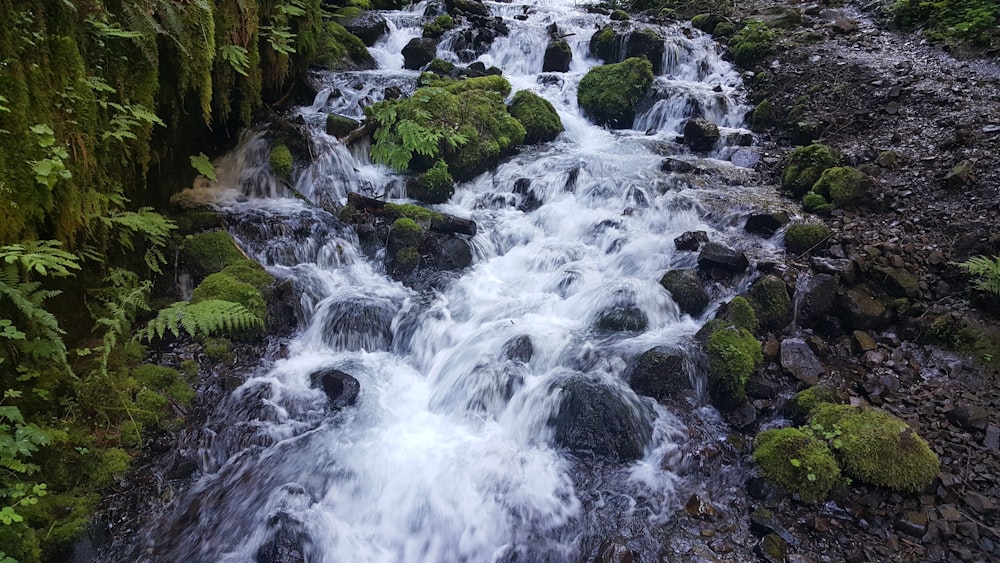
(733, 356)
(816, 203)
(763, 117)
(972, 21)
(210, 252)
(878, 448)
(223, 287)
(798, 462)
(604, 44)
(752, 42)
(281, 161)
(986, 272)
(441, 24)
(803, 237)
(434, 186)
(803, 402)
(770, 301)
(405, 232)
(440, 67)
(842, 185)
(608, 94)
(338, 126)
(805, 166)
(741, 313)
(540, 120)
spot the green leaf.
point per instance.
(796, 462)
(203, 165)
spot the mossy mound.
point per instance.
(802, 237)
(763, 116)
(815, 203)
(538, 116)
(752, 42)
(207, 253)
(281, 161)
(604, 44)
(797, 462)
(464, 123)
(878, 448)
(340, 49)
(802, 403)
(405, 232)
(770, 301)
(223, 287)
(805, 166)
(706, 22)
(421, 215)
(440, 67)
(441, 24)
(165, 380)
(608, 94)
(741, 313)
(733, 355)
(434, 186)
(250, 272)
(842, 185)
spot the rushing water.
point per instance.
(448, 454)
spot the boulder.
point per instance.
(700, 134)
(686, 290)
(674, 164)
(598, 417)
(359, 322)
(537, 115)
(770, 301)
(799, 360)
(368, 26)
(287, 543)
(621, 318)
(418, 52)
(341, 389)
(765, 224)
(816, 297)
(609, 94)
(340, 126)
(647, 44)
(467, 7)
(900, 282)
(718, 256)
(659, 373)
(604, 45)
(558, 55)
(860, 310)
(518, 349)
(691, 240)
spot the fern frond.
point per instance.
(204, 318)
(987, 272)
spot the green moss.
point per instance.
(164, 380)
(619, 16)
(340, 49)
(104, 467)
(538, 116)
(706, 22)
(281, 161)
(797, 462)
(752, 42)
(723, 29)
(770, 301)
(604, 44)
(879, 449)
(405, 232)
(219, 349)
(441, 67)
(340, 126)
(434, 186)
(733, 355)
(813, 201)
(440, 25)
(423, 216)
(802, 237)
(763, 117)
(805, 166)
(224, 287)
(207, 253)
(608, 94)
(492, 83)
(190, 369)
(741, 313)
(250, 272)
(843, 185)
(802, 403)
(406, 259)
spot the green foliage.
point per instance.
(207, 253)
(805, 166)
(406, 259)
(733, 355)
(281, 161)
(608, 94)
(434, 186)
(421, 215)
(441, 67)
(741, 313)
(538, 116)
(204, 318)
(203, 165)
(219, 349)
(441, 24)
(986, 272)
(973, 21)
(842, 185)
(797, 462)
(879, 449)
(223, 287)
(150, 228)
(165, 380)
(752, 42)
(803, 237)
(770, 301)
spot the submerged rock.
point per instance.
(659, 373)
(341, 389)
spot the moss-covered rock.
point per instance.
(752, 42)
(877, 448)
(440, 67)
(441, 24)
(805, 166)
(340, 126)
(404, 232)
(604, 44)
(558, 56)
(686, 289)
(421, 215)
(722, 30)
(648, 44)
(801, 405)
(706, 22)
(338, 48)
(434, 186)
(740, 312)
(733, 356)
(281, 161)
(763, 116)
(802, 237)
(406, 260)
(843, 185)
(207, 253)
(797, 462)
(608, 94)
(815, 203)
(538, 116)
(224, 287)
(165, 380)
(770, 301)
(250, 272)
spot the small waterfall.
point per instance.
(452, 452)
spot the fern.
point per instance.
(204, 318)
(151, 227)
(204, 166)
(987, 272)
(237, 57)
(122, 300)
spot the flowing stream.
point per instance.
(449, 453)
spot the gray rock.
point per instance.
(992, 439)
(816, 297)
(368, 26)
(714, 255)
(686, 290)
(341, 389)
(700, 134)
(912, 523)
(691, 240)
(519, 348)
(798, 359)
(860, 310)
(842, 268)
(621, 318)
(659, 373)
(970, 417)
(745, 158)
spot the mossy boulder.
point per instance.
(405, 232)
(816, 203)
(802, 237)
(804, 402)
(608, 94)
(706, 22)
(441, 24)
(733, 356)
(558, 56)
(281, 161)
(764, 116)
(339, 126)
(739, 312)
(877, 448)
(418, 52)
(440, 67)
(434, 186)
(805, 166)
(207, 253)
(686, 289)
(250, 272)
(538, 116)
(340, 49)
(604, 44)
(723, 29)
(842, 185)
(164, 380)
(647, 44)
(797, 462)
(224, 287)
(752, 42)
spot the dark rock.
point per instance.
(840, 267)
(646, 43)
(621, 318)
(860, 310)
(764, 522)
(815, 297)
(288, 541)
(970, 417)
(597, 416)
(761, 387)
(798, 359)
(363, 322)
(673, 164)
(691, 240)
(368, 26)
(765, 224)
(980, 503)
(604, 45)
(182, 468)
(341, 389)
(615, 550)
(992, 439)
(558, 56)
(445, 252)
(715, 255)
(699, 507)
(742, 416)
(758, 488)
(700, 134)
(529, 201)
(686, 290)
(901, 282)
(519, 349)
(467, 7)
(772, 549)
(659, 373)
(912, 523)
(340, 126)
(418, 52)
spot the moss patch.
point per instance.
(281, 161)
(752, 42)
(604, 44)
(878, 448)
(805, 166)
(802, 403)
(733, 355)
(797, 462)
(770, 301)
(538, 116)
(248, 271)
(441, 24)
(224, 287)
(434, 186)
(608, 94)
(207, 253)
(741, 313)
(801, 237)
(843, 185)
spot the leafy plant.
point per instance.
(237, 58)
(18, 440)
(987, 272)
(149, 226)
(203, 166)
(204, 318)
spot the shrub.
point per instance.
(878, 448)
(281, 161)
(805, 166)
(798, 462)
(540, 120)
(608, 94)
(733, 355)
(802, 237)
(842, 185)
(752, 42)
(974, 21)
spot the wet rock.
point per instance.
(769, 298)
(604, 45)
(673, 164)
(182, 468)
(912, 523)
(840, 267)
(598, 417)
(558, 56)
(992, 439)
(764, 522)
(621, 318)
(816, 297)
(418, 52)
(901, 282)
(444, 252)
(772, 549)
(700, 134)
(860, 310)
(744, 158)
(699, 507)
(288, 541)
(648, 44)
(766, 224)
(659, 373)
(970, 417)
(691, 240)
(467, 7)
(615, 550)
(863, 341)
(742, 416)
(799, 360)
(368, 26)
(519, 349)
(686, 290)
(340, 126)
(364, 322)
(717, 256)
(529, 200)
(341, 389)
